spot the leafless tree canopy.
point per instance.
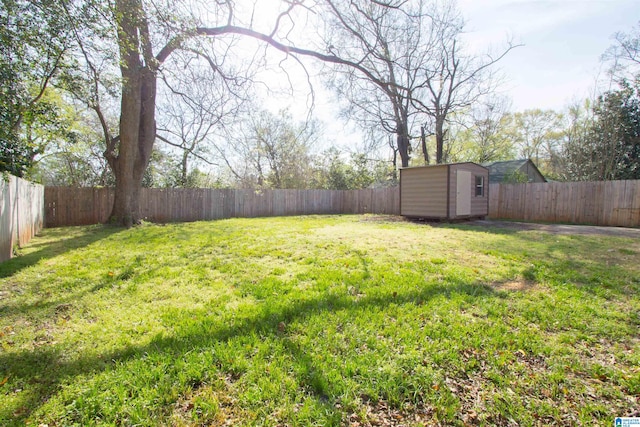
(623, 56)
(397, 61)
(418, 70)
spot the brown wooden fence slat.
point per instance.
(613, 203)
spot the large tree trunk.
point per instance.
(137, 116)
(137, 134)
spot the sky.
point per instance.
(563, 41)
(557, 65)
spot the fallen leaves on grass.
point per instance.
(381, 414)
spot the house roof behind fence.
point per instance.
(499, 170)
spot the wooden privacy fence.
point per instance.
(81, 206)
(615, 203)
(21, 213)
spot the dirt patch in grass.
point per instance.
(518, 285)
(383, 218)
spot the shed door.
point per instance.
(463, 193)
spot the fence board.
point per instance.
(21, 213)
(627, 207)
(613, 203)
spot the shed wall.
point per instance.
(479, 205)
(423, 192)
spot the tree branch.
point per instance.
(191, 152)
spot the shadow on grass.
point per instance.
(46, 369)
(58, 242)
(52, 243)
(579, 259)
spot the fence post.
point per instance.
(16, 216)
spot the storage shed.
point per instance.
(451, 191)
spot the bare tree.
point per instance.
(390, 43)
(272, 151)
(416, 65)
(623, 55)
(488, 137)
(147, 33)
(203, 103)
(452, 80)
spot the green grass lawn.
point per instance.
(343, 320)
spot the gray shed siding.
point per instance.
(431, 191)
(423, 191)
